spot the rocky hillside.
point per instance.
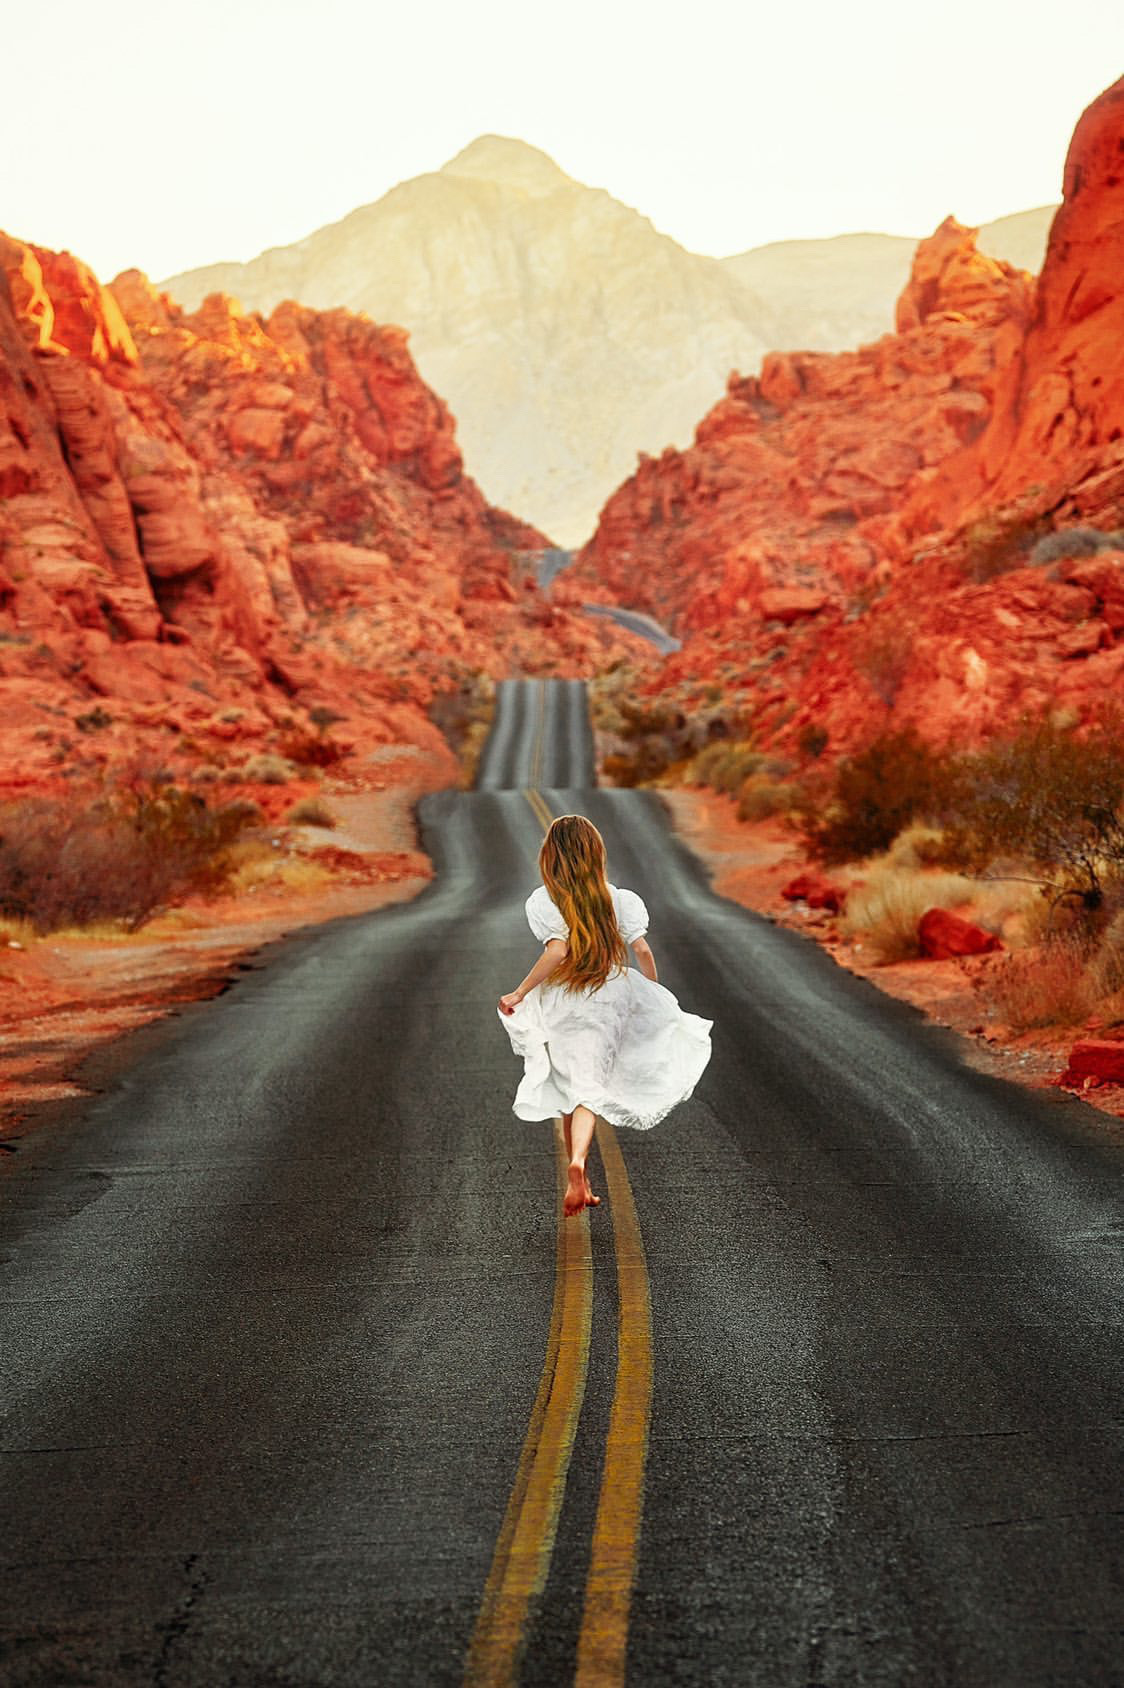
(862, 539)
(219, 531)
(566, 331)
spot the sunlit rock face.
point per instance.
(901, 490)
(212, 524)
(566, 331)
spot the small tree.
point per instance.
(1053, 800)
(878, 791)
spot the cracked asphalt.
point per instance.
(273, 1309)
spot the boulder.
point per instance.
(1094, 1060)
(943, 936)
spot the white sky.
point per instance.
(135, 134)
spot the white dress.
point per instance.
(626, 1050)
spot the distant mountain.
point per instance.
(566, 332)
(831, 295)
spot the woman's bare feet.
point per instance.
(578, 1193)
(573, 1201)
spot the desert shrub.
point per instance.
(1074, 542)
(117, 857)
(93, 720)
(919, 845)
(762, 797)
(885, 911)
(1044, 986)
(884, 656)
(877, 792)
(311, 811)
(1002, 540)
(1106, 965)
(311, 750)
(812, 741)
(1051, 799)
(267, 769)
(463, 714)
(726, 767)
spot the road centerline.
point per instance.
(526, 1540)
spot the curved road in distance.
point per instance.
(283, 1384)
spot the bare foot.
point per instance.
(573, 1202)
(590, 1199)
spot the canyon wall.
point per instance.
(212, 524)
(848, 543)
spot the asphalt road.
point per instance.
(274, 1309)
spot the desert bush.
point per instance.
(268, 769)
(919, 845)
(812, 741)
(1044, 986)
(1003, 540)
(761, 797)
(1052, 800)
(885, 911)
(311, 811)
(878, 791)
(884, 656)
(1075, 542)
(311, 750)
(116, 857)
(726, 767)
(1106, 965)
(463, 714)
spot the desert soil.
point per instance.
(65, 995)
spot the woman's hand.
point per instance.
(510, 1002)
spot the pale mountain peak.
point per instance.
(509, 163)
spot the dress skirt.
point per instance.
(626, 1050)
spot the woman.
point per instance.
(596, 1037)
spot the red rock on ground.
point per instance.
(817, 892)
(943, 935)
(1094, 1059)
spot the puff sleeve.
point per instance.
(543, 917)
(633, 917)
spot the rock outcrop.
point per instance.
(851, 541)
(216, 530)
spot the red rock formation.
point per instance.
(899, 489)
(213, 522)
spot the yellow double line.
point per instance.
(522, 1555)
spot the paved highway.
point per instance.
(305, 1382)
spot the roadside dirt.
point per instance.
(65, 995)
(749, 862)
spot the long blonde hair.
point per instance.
(572, 864)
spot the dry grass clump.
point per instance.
(918, 846)
(884, 912)
(111, 856)
(267, 769)
(312, 811)
(761, 797)
(726, 766)
(1047, 985)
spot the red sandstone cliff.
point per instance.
(212, 523)
(847, 542)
